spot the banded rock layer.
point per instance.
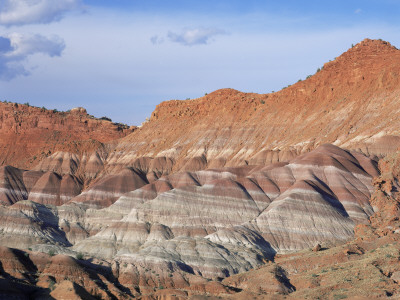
(214, 222)
(251, 212)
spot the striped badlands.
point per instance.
(317, 197)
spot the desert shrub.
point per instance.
(106, 118)
(51, 285)
(339, 296)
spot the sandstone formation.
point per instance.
(352, 103)
(47, 188)
(29, 134)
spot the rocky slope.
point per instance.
(29, 134)
(352, 103)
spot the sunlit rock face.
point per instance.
(351, 103)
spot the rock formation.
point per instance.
(30, 134)
(352, 103)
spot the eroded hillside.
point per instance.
(29, 134)
(353, 102)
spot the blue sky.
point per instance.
(120, 58)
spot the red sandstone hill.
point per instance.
(28, 134)
(353, 102)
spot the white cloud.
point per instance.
(197, 36)
(16, 48)
(21, 12)
(358, 11)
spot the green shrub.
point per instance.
(339, 296)
(51, 285)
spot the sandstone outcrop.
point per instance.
(30, 134)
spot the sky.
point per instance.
(120, 58)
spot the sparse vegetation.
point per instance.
(262, 101)
(106, 119)
(51, 285)
(51, 252)
(339, 296)
(79, 256)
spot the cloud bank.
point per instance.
(16, 48)
(197, 36)
(21, 12)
